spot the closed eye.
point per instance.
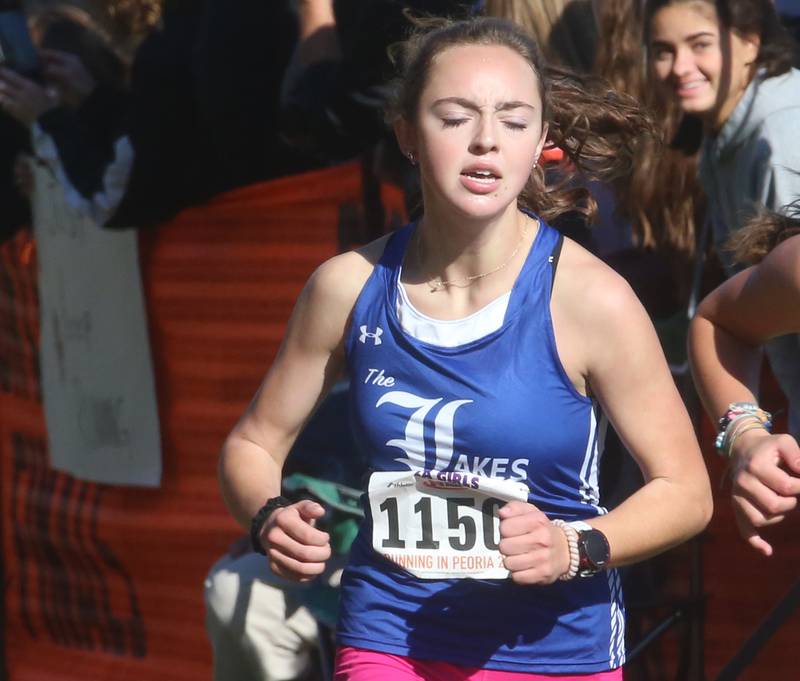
(514, 125)
(453, 122)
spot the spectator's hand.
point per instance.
(23, 174)
(24, 99)
(296, 549)
(534, 550)
(766, 482)
(66, 72)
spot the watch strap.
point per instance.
(257, 523)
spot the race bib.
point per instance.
(441, 525)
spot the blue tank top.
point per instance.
(501, 406)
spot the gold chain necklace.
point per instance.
(438, 283)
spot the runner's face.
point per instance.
(705, 67)
(478, 132)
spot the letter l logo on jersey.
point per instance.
(376, 337)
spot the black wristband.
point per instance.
(257, 523)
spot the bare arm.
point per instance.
(749, 309)
(732, 322)
(610, 340)
(311, 358)
(606, 342)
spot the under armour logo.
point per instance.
(376, 337)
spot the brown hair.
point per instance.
(751, 244)
(598, 129)
(664, 213)
(746, 17)
(564, 29)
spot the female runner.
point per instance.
(484, 364)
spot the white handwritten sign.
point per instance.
(97, 374)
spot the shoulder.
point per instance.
(782, 88)
(778, 106)
(590, 289)
(784, 262)
(336, 284)
(761, 302)
(778, 126)
(598, 318)
(775, 280)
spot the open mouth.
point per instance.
(486, 176)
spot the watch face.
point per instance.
(594, 551)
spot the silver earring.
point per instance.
(411, 159)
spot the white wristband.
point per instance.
(572, 542)
(580, 525)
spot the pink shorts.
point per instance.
(356, 664)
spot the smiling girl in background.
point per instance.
(485, 361)
(728, 62)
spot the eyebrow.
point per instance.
(693, 36)
(467, 104)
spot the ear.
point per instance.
(406, 136)
(751, 42)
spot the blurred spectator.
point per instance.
(173, 165)
(241, 54)
(752, 307)
(665, 216)
(76, 114)
(565, 30)
(729, 64)
(333, 93)
(133, 157)
(87, 148)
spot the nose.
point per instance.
(682, 62)
(485, 138)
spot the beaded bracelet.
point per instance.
(739, 431)
(572, 541)
(735, 414)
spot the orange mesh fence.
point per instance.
(106, 582)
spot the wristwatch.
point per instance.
(593, 549)
(257, 523)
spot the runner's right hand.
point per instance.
(296, 549)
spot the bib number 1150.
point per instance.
(439, 529)
(463, 523)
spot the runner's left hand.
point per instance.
(534, 550)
